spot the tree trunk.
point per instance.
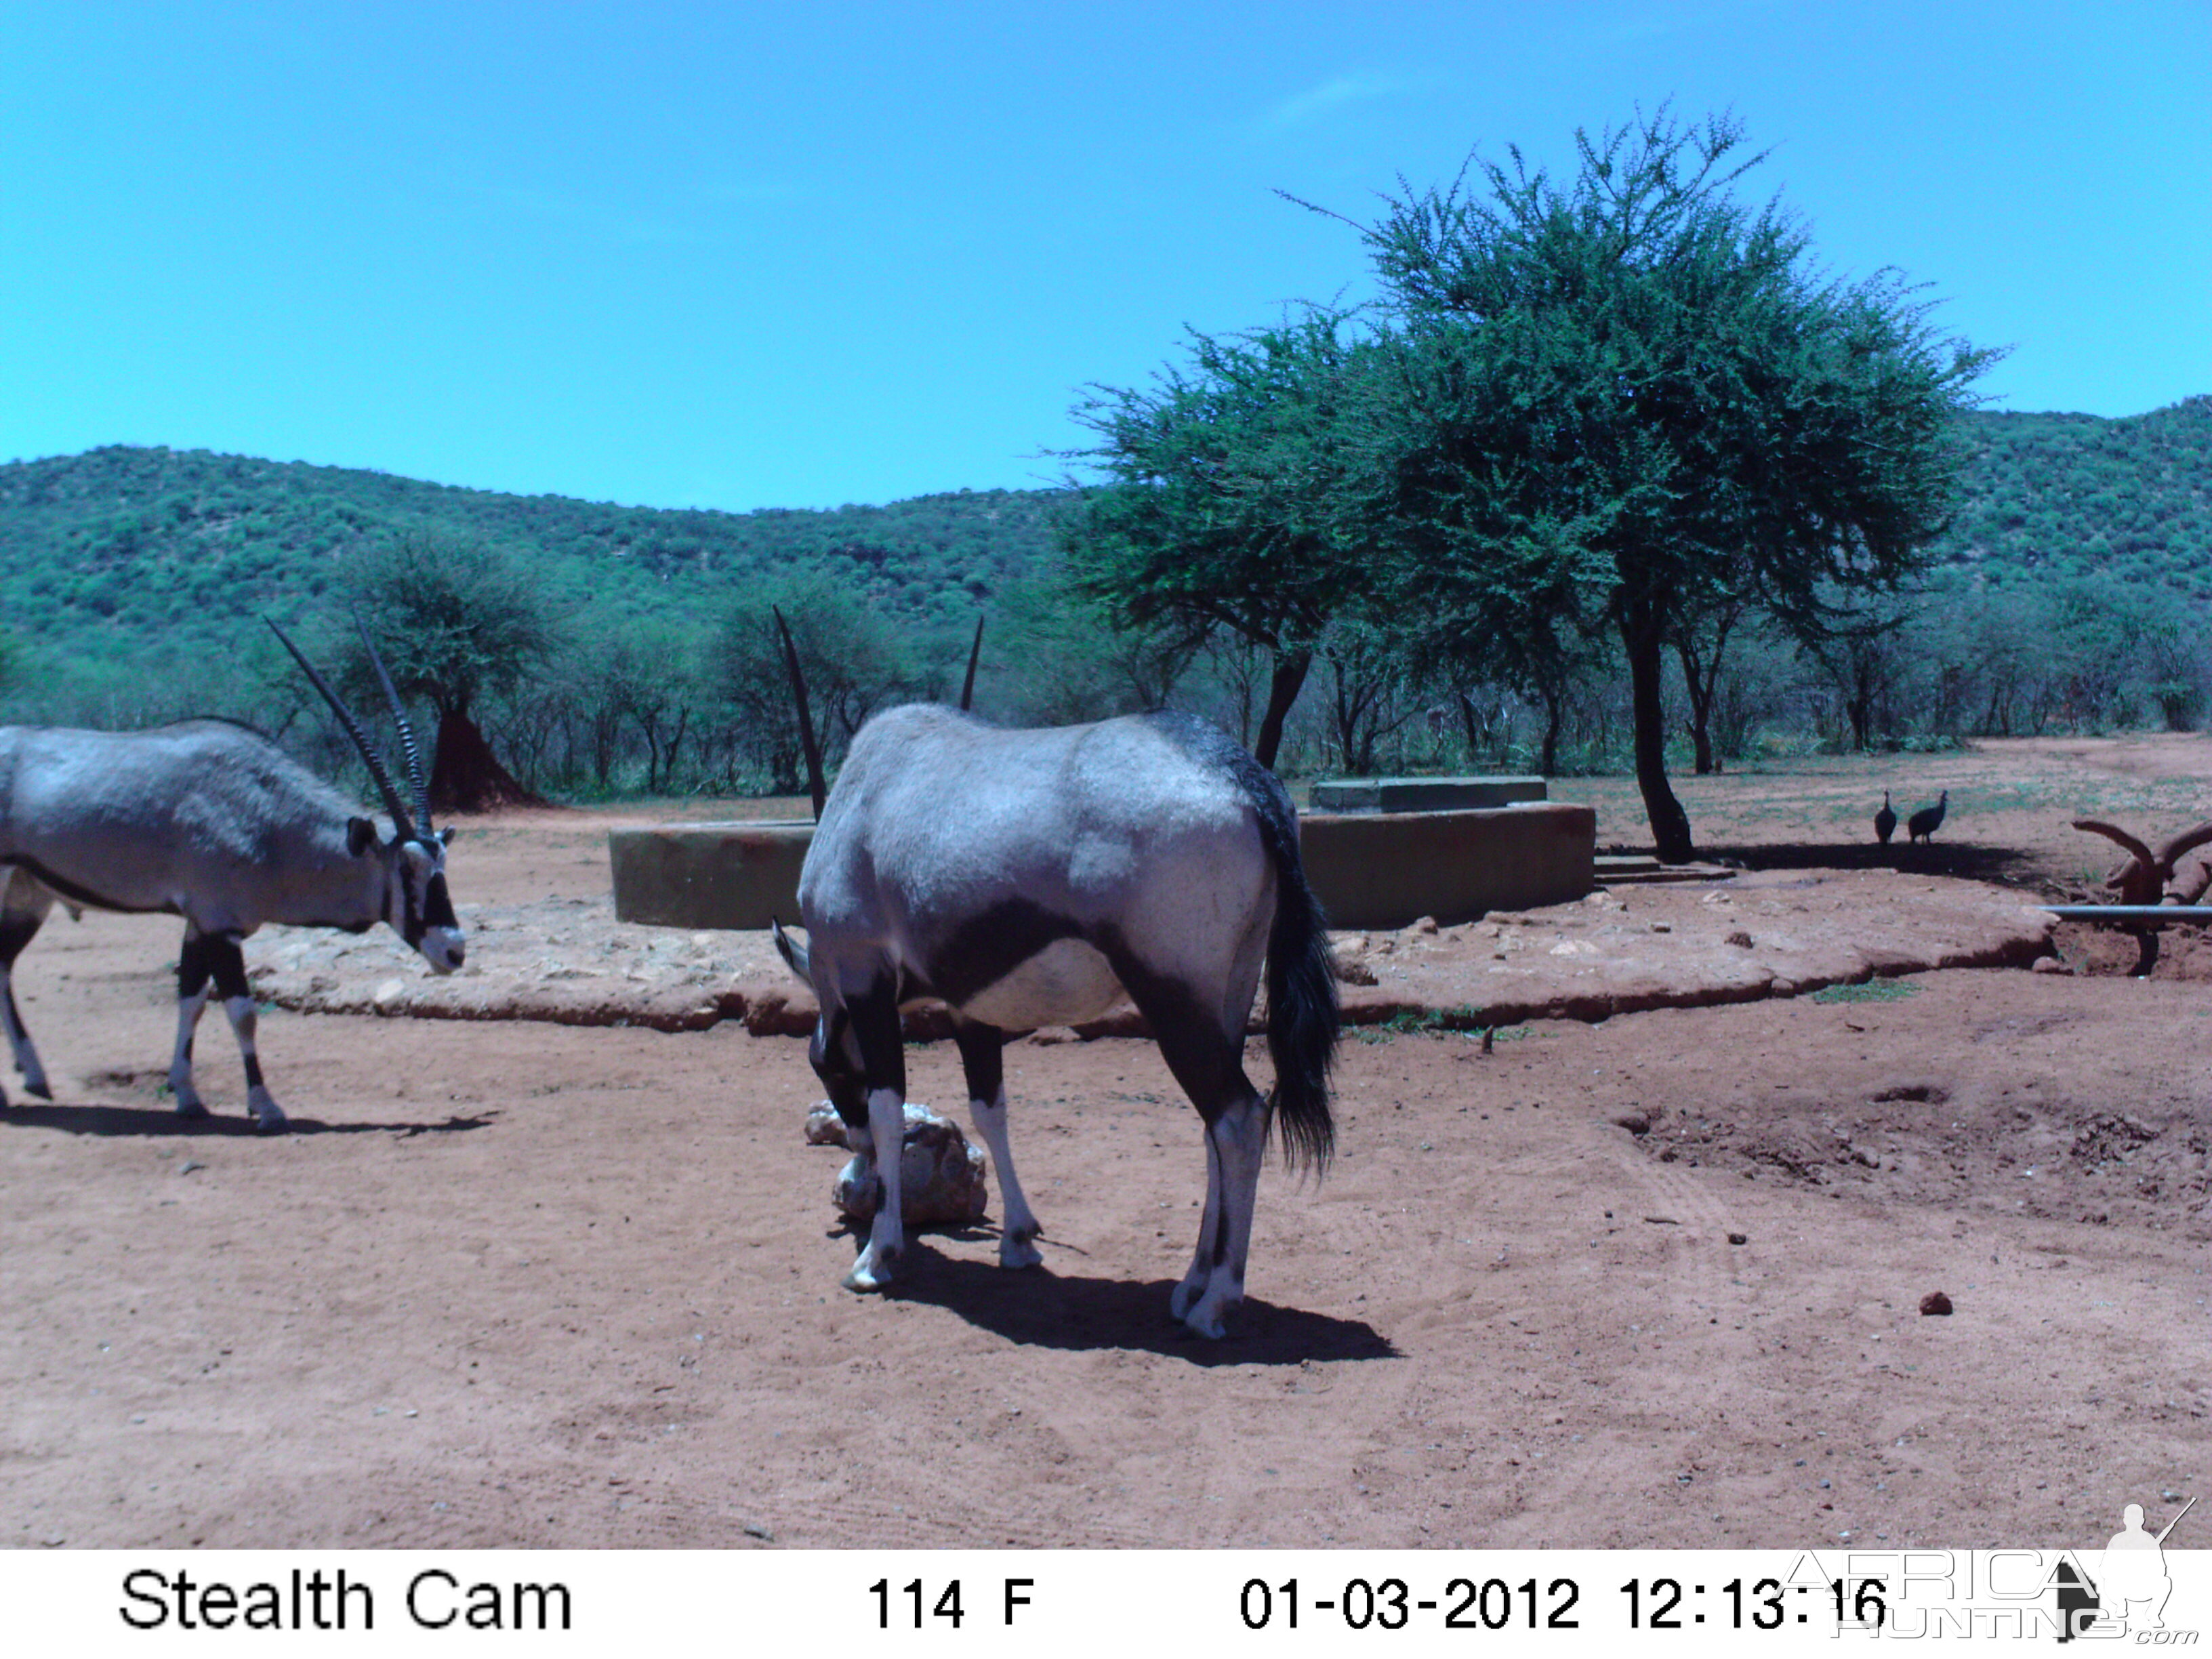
(1282, 688)
(1640, 632)
(1858, 707)
(1701, 708)
(1555, 714)
(465, 776)
(1701, 676)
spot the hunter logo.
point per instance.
(2118, 1594)
(2132, 1585)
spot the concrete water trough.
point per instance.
(1424, 794)
(1372, 868)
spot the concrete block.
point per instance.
(1422, 794)
(709, 875)
(1389, 869)
(1370, 869)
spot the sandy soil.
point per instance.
(1652, 1280)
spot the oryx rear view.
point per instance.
(211, 821)
(1034, 878)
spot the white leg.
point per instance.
(27, 1057)
(243, 1023)
(879, 1262)
(24, 905)
(1016, 1245)
(189, 1006)
(1240, 1136)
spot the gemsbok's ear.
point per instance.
(361, 835)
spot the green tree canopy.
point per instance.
(1622, 400)
(452, 621)
(1233, 496)
(855, 660)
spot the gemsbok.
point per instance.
(211, 821)
(1034, 877)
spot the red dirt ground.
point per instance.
(1652, 1281)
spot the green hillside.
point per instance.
(2076, 579)
(2060, 497)
(110, 552)
(124, 550)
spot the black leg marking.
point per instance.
(875, 1017)
(982, 1057)
(194, 965)
(876, 1035)
(1204, 1059)
(833, 1055)
(227, 964)
(17, 929)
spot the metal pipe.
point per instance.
(2199, 913)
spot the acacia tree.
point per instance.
(1370, 689)
(1232, 505)
(1060, 658)
(1626, 398)
(454, 623)
(854, 660)
(1701, 636)
(1518, 630)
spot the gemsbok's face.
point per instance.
(418, 905)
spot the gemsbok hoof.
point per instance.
(871, 1273)
(1200, 1323)
(1017, 1251)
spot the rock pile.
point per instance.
(941, 1176)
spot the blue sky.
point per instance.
(736, 255)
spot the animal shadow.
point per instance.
(1040, 1307)
(148, 1122)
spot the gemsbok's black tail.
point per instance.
(1301, 1013)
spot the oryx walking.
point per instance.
(1033, 877)
(211, 821)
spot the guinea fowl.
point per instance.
(1923, 824)
(1885, 822)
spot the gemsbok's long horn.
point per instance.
(815, 786)
(399, 719)
(974, 656)
(393, 804)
